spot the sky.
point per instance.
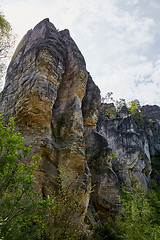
(119, 39)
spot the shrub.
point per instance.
(135, 109)
(67, 213)
(21, 209)
(137, 222)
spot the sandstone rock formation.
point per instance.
(55, 105)
(129, 143)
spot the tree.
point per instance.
(69, 200)
(135, 109)
(117, 103)
(22, 214)
(110, 107)
(7, 40)
(138, 222)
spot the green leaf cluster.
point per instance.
(69, 201)
(22, 214)
(135, 109)
(110, 106)
(138, 220)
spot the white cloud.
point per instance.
(119, 39)
(25, 14)
(131, 2)
(119, 43)
(141, 82)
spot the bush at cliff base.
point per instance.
(139, 220)
(21, 209)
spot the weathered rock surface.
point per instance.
(106, 195)
(55, 105)
(152, 130)
(130, 145)
(91, 106)
(45, 84)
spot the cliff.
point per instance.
(56, 104)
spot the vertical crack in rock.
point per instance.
(67, 119)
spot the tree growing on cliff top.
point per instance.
(118, 103)
(111, 107)
(135, 109)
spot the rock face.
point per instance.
(152, 130)
(130, 145)
(106, 195)
(55, 105)
(152, 117)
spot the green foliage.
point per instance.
(4, 24)
(111, 107)
(134, 106)
(114, 155)
(137, 222)
(21, 209)
(139, 218)
(135, 109)
(104, 231)
(118, 104)
(151, 122)
(69, 200)
(155, 161)
(108, 110)
(5, 35)
(154, 200)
